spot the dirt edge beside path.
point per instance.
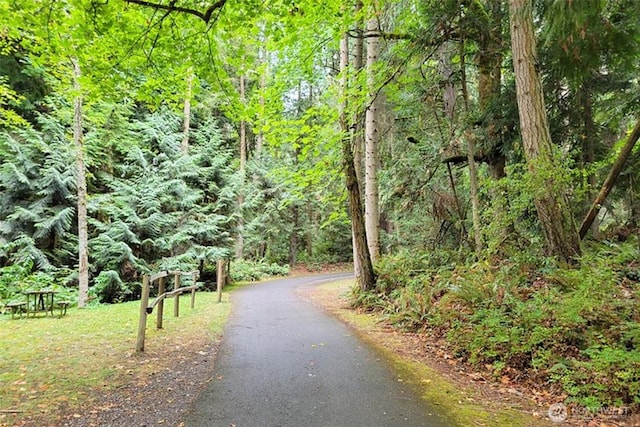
(466, 398)
(157, 399)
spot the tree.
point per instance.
(81, 183)
(187, 111)
(243, 167)
(589, 52)
(551, 201)
(625, 152)
(365, 273)
(357, 119)
(489, 15)
(372, 139)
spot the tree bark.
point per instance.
(611, 180)
(367, 277)
(475, 200)
(295, 209)
(550, 201)
(243, 162)
(588, 146)
(358, 120)
(357, 145)
(471, 160)
(446, 74)
(489, 61)
(312, 230)
(260, 135)
(186, 123)
(372, 138)
(456, 200)
(81, 176)
(364, 274)
(293, 237)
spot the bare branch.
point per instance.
(216, 6)
(381, 34)
(171, 7)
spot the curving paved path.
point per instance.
(284, 362)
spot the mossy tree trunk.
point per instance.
(489, 61)
(551, 201)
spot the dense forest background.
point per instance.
(139, 136)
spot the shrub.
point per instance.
(576, 327)
(249, 271)
(109, 287)
(17, 279)
(11, 281)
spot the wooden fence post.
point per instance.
(160, 303)
(193, 291)
(142, 325)
(227, 275)
(176, 300)
(220, 277)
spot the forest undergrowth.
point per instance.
(573, 331)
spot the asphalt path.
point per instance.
(284, 362)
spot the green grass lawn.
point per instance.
(50, 362)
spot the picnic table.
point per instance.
(42, 301)
(38, 301)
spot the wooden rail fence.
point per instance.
(146, 308)
(148, 281)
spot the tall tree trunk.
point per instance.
(263, 57)
(449, 91)
(260, 135)
(358, 119)
(312, 230)
(551, 202)
(473, 186)
(295, 209)
(358, 141)
(243, 162)
(489, 60)
(365, 275)
(186, 123)
(293, 237)
(634, 204)
(471, 159)
(588, 146)
(81, 176)
(372, 139)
